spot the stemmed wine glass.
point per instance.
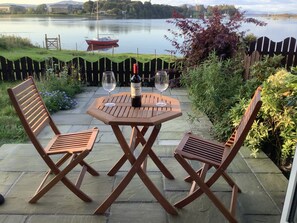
(161, 83)
(108, 84)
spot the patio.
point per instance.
(263, 185)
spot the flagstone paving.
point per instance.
(21, 170)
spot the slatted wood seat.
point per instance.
(216, 155)
(73, 147)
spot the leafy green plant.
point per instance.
(8, 42)
(57, 100)
(55, 80)
(262, 69)
(212, 86)
(58, 90)
(275, 131)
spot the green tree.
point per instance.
(31, 11)
(41, 9)
(88, 6)
(200, 10)
(18, 9)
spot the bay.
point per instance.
(135, 35)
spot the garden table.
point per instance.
(140, 120)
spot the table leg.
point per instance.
(133, 144)
(154, 157)
(136, 169)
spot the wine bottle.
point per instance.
(135, 87)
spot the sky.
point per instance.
(276, 6)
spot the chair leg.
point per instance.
(198, 172)
(230, 181)
(191, 196)
(90, 169)
(66, 182)
(61, 176)
(203, 188)
(189, 178)
(202, 174)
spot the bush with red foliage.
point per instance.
(200, 37)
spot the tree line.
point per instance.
(129, 9)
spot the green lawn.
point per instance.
(40, 54)
(11, 130)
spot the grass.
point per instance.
(40, 54)
(13, 48)
(11, 130)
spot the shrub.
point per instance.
(216, 33)
(275, 131)
(262, 69)
(212, 86)
(10, 42)
(58, 90)
(57, 100)
(61, 81)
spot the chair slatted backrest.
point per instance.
(31, 109)
(237, 138)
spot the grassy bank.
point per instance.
(13, 48)
(40, 54)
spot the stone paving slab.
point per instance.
(59, 200)
(262, 184)
(137, 212)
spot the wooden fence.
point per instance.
(249, 61)
(91, 72)
(88, 72)
(264, 46)
(287, 48)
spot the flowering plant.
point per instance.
(57, 100)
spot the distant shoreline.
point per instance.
(266, 15)
(275, 16)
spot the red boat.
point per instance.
(101, 41)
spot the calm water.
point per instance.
(142, 36)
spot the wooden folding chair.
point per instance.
(73, 147)
(216, 155)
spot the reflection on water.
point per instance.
(135, 35)
(99, 48)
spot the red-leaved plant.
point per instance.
(200, 37)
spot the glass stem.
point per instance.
(109, 94)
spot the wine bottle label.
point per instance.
(135, 89)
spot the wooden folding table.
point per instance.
(140, 119)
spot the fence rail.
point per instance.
(287, 48)
(88, 72)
